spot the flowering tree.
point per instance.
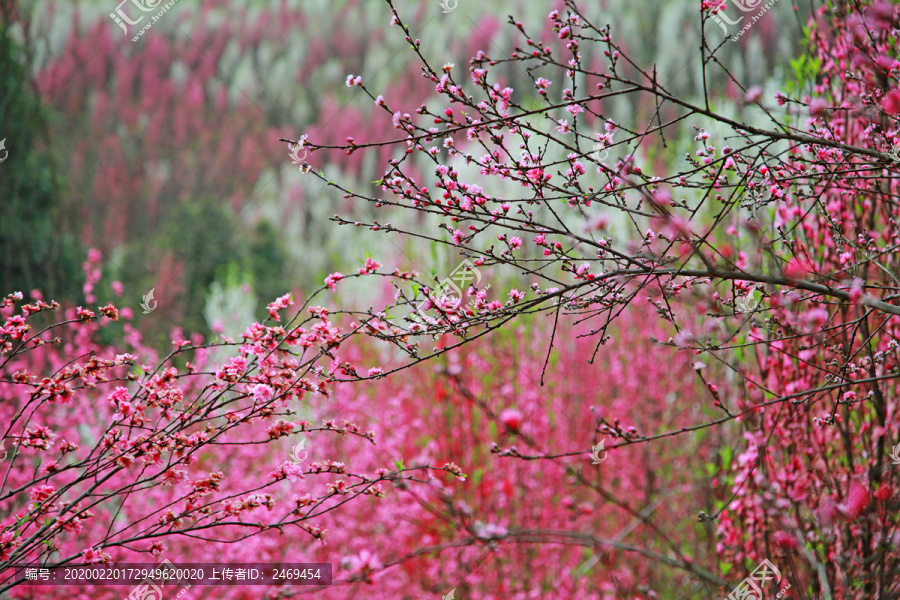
(110, 454)
(766, 255)
(769, 252)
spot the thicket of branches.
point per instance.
(767, 258)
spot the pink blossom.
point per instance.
(94, 555)
(370, 266)
(278, 304)
(856, 501)
(753, 94)
(891, 103)
(886, 62)
(785, 540)
(511, 419)
(42, 493)
(332, 279)
(262, 392)
(817, 107)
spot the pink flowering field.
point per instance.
(452, 300)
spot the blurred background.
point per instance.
(163, 152)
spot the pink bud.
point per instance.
(512, 419)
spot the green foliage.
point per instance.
(38, 235)
(200, 244)
(805, 69)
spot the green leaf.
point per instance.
(399, 464)
(725, 453)
(477, 475)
